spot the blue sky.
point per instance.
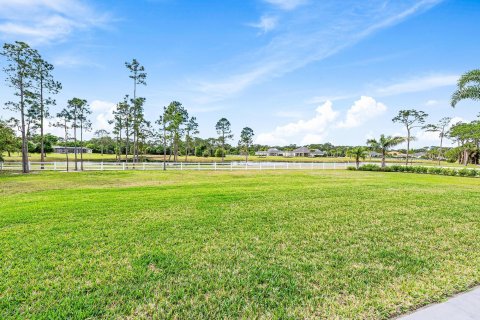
(295, 71)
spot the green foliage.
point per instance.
(464, 172)
(219, 153)
(206, 154)
(468, 87)
(370, 167)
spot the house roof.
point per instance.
(273, 150)
(62, 147)
(302, 150)
(317, 151)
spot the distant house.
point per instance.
(261, 153)
(64, 150)
(301, 152)
(419, 155)
(374, 154)
(317, 153)
(274, 152)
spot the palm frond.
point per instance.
(468, 77)
(470, 92)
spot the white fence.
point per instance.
(212, 166)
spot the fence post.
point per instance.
(274, 167)
(334, 166)
(312, 165)
(260, 166)
(55, 166)
(1, 166)
(181, 166)
(214, 166)
(198, 166)
(287, 165)
(123, 166)
(231, 166)
(101, 166)
(144, 166)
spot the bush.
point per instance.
(449, 172)
(370, 167)
(206, 154)
(435, 170)
(219, 153)
(464, 172)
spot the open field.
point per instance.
(35, 157)
(189, 245)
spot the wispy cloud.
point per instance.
(418, 84)
(266, 24)
(319, 30)
(286, 4)
(44, 21)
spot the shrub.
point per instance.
(396, 168)
(449, 172)
(464, 172)
(206, 154)
(219, 153)
(351, 168)
(370, 167)
(435, 170)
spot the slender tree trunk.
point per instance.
(408, 145)
(75, 140)
(126, 144)
(440, 150)
(42, 138)
(25, 167)
(66, 142)
(383, 158)
(164, 147)
(81, 145)
(223, 145)
(186, 147)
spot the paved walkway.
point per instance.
(465, 306)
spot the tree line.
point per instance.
(31, 78)
(175, 132)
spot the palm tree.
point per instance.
(468, 87)
(357, 153)
(384, 144)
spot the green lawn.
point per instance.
(192, 245)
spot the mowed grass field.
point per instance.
(192, 245)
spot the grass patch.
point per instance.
(336, 244)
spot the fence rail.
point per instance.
(212, 166)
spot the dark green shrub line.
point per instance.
(464, 172)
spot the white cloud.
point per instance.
(286, 4)
(42, 21)
(418, 84)
(362, 110)
(266, 24)
(102, 112)
(313, 130)
(322, 29)
(430, 103)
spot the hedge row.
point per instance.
(464, 172)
